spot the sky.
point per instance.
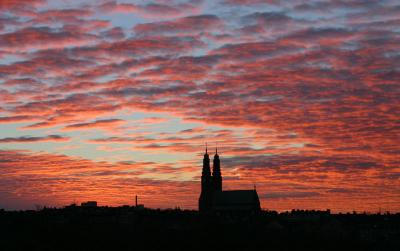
(105, 100)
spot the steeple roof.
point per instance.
(206, 153)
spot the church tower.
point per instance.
(217, 178)
(206, 195)
(214, 200)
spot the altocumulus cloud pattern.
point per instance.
(101, 100)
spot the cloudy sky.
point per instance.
(103, 100)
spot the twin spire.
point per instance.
(216, 149)
(211, 181)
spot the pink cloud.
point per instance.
(10, 5)
(17, 119)
(42, 38)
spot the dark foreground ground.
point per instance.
(129, 228)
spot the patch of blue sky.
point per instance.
(105, 78)
(8, 59)
(15, 130)
(124, 20)
(171, 125)
(64, 4)
(46, 147)
(220, 8)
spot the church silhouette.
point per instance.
(213, 199)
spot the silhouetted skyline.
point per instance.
(131, 228)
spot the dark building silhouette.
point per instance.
(89, 204)
(213, 199)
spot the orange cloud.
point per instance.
(306, 107)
